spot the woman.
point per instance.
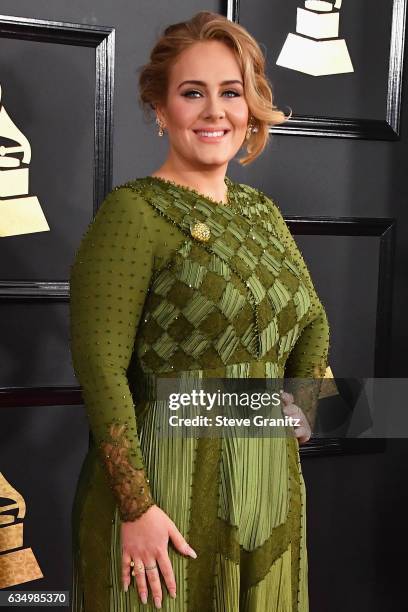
(186, 274)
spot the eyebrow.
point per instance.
(202, 83)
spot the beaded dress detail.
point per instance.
(169, 283)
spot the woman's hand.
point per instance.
(144, 542)
(302, 431)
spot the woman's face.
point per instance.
(206, 114)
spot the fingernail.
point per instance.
(143, 597)
(126, 588)
(173, 594)
(157, 602)
(192, 553)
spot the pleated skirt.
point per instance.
(238, 501)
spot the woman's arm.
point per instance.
(108, 283)
(308, 359)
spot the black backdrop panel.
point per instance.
(36, 79)
(42, 450)
(337, 265)
(34, 348)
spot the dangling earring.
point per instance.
(250, 128)
(161, 126)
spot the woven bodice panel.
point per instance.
(236, 297)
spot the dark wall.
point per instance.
(356, 502)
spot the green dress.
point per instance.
(153, 297)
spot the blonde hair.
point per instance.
(204, 26)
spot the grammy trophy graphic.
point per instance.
(17, 564)
(20, 213)
(315, 49)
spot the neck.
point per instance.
(209, 182)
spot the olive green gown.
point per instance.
(150, 298)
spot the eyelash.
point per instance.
(186, 94)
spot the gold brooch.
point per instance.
(200, 231)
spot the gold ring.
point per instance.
(140, 567)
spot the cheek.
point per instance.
(181, 113)
(239, 115)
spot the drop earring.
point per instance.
(161, 126)
(250, 128)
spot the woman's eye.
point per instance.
(192, 93)
(231, 91)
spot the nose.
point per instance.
(214, 107)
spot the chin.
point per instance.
(208, 164)
(217, 160)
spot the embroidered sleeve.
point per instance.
(129, 484)
(308, 359)
(109, 281)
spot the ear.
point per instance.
(160, 113)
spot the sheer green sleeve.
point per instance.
(109, 280)
(308, 359)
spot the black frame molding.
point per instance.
(386, 129)
(102, 39)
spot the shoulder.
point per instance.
(256, 196)
(126, 197)
(127, 203)
(249, 190)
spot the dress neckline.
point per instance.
(193, 191)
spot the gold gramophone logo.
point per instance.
(17, 564)
(20, 213)
(316, 49)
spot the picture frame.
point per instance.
(101, 39)
(295, 87)
(384, 229)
